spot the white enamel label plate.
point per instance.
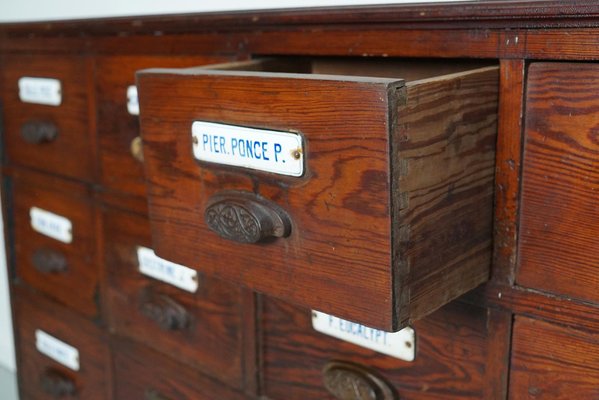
(400, 344)
(57, 350)
(51, 225)
(158, 268)
(132, 101)
(271, 151)
(44, 91)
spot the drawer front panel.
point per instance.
(66, 272)
(121, 160)
(553, 362)
(201, 329)
(452, 353)
(52, 138)
(343, 235)
(559, 250)
(42, 377)
(141, 373)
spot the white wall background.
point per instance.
(41, 10)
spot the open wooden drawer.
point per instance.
(361, 196)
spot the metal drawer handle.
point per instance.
(136, 149)
(49, 261)
(167, 313)
(37, 132)
(151, 394)
(56, 384)
(348, 381)
(246, 218)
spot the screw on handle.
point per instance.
(347, 381)
(245, 217)
(49, 261)
(37, 132)
(57, 384)
(136, 149)
(166, 312)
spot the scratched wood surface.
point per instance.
(141, 373)
(559, 250)
(33, 312)
(553, 362)
(212, 339)
(71, 152)
(78, 285)
(343, 213)
(453, 355)
(119, 170)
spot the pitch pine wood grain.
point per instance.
(116, 127)
(141, 373)
(71, 154)
(453, 354)
(392, 173)
(211, 343)
(559, 250)
(553, 362)
(34, 312)
(77, 286)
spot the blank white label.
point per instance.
(132, 102)
(174, 274)
(400, 344)
(51, 225)
(57, 350)
(260, 149)
(44, 91)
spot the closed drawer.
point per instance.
(199, 326)
(120, 155)
(141, 373)
(559, 225)
(60, 355)
(553, 362)
(54, 243)
(52, 137)
(389, 214)
(454, 358)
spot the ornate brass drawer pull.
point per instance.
(246, 218)
(136, 149)
(348, 381)
(57, 384)
(37, 132)
(49, 261)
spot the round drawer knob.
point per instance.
(136, 148)
(348, 381)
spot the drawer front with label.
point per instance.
(194, 319)
(448, 357)
(46, 114)
(120, 155)
(553, 362)
(369, 198)
(141, 373)
(60, 354)
(559, 225)
(54, 240)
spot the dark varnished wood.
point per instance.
(553, 362)
(453, 353)
(41, 376)
(559, 250)
(202, 330)
(144, 374)
(117, 129)
(76, 285)
(70, 153)
(363, 220)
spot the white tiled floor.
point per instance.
(8, 385)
